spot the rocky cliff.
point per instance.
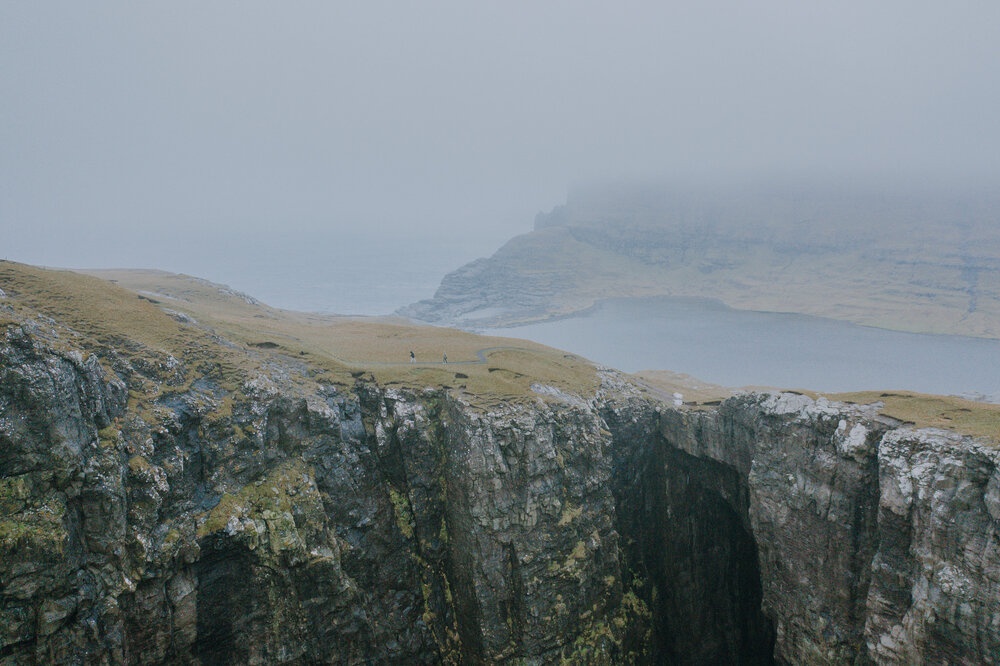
(154, 509)
(923, 262)
(863, 542)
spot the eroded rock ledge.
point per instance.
(296, 523)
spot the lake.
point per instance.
(731, 347)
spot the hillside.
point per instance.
(919, 262)
(195, 321)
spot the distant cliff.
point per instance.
(154, 509)
(918, 262)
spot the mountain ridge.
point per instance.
(927, 263)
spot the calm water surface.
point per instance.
(737, 348)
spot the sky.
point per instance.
(153, 134)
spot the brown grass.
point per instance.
(697, 393)
(346, 347)
(487, 370)
(966, 417)
(107, 314)
(99, 317)
(934, 411)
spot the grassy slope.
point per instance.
(934, 411)
(103, 315)
(233, 337)
(696, 393)
(921, 410)
(346, 347)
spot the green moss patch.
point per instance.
(28, 527)
(271, 501)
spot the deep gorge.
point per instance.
(686, 533)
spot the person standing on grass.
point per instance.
(413, 357)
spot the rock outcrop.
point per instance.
(292, 521)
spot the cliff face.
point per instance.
(290, 525)
(862, 542)
(293, 521)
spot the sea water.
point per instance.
(731, 347)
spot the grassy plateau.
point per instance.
(214, 330)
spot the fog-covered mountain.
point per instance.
(916, 261)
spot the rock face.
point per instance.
(294, 522)
(862, 542)
(289, 525)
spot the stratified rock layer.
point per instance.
(915, 262)
(294, 522)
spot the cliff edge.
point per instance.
(173, 490)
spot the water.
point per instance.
(738, 348)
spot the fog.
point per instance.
(142, 134)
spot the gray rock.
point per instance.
(297, 523)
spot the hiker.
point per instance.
(413, 357)
(446, 358)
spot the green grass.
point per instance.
(279, 493)
(27, 525)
